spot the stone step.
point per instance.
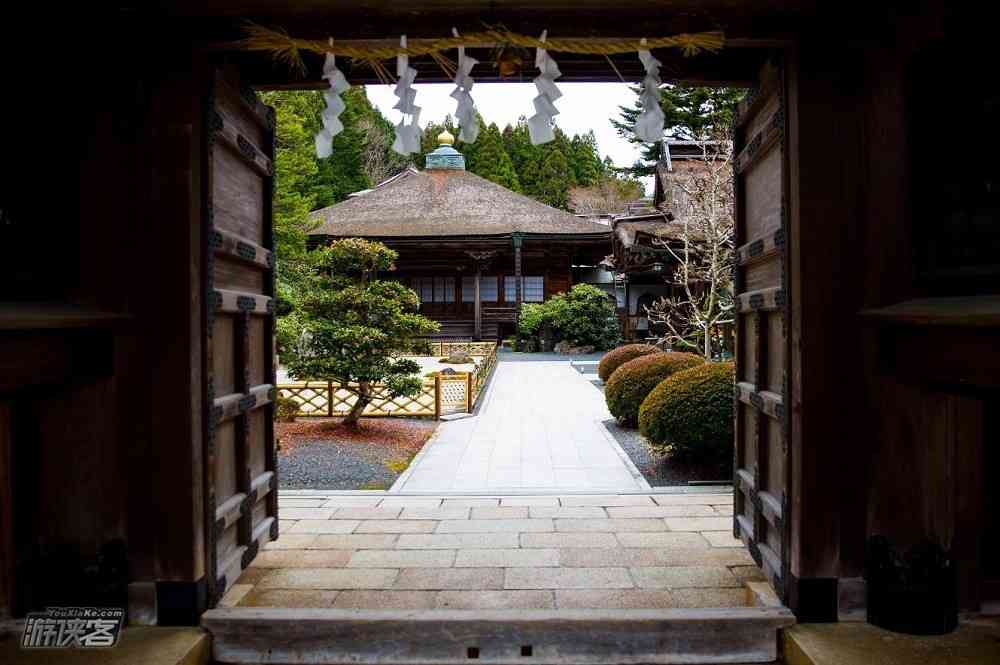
(246, 636)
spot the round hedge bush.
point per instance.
(690, 414)
(615, 358)
(630, 383)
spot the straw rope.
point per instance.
(288, 49)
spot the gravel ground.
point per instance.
(658, 470)
(331, 460)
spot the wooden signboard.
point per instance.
(240, 466)
(762, 468)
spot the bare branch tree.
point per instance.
(704, 251)
(379, 163)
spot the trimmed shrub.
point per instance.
(285, 409)
(615, 358)
(628, 385)
(690, 414)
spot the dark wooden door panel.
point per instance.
(762, 308)
(240, 469)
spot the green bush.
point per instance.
(690, 414)
(533, 317)
(585, 316)
(615, 358)
(285, 409)
(628, 385)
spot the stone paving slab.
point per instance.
(639, 524)
(450, 578)
(496, 600)
(598, 551)
(458, 541)
(402, 559)
(538, 427)
(351, 541)
(722, 539)
(681, 577)
(616, 599)
(568, 578)
(329, 578)
(507, 558)
(494, 526)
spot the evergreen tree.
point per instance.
(692, 114)
(492, 161)
(352, 328)
(553, 184)
(517, 143)
(586, 161)
(564, 145)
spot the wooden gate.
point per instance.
(762, 464)
(240, 465)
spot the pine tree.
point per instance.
(563, 144)
(586, 161)
(524, 156)
(492, 161)
(553, 184)
(692, 114)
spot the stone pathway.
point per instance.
(384, 551)
(538, 429)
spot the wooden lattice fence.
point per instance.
(440, 395)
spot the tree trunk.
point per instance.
(354, 415)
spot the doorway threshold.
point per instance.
(541, 637)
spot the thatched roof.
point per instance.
(447, 202)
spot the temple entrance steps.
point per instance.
(244, 636)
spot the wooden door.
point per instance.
(762, 466)
(240, 465)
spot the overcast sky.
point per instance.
(583, 106)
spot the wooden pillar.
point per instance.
(517, 272)
(516, 239)
(479, 306)
(437, 397)
(468, 392)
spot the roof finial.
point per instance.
(446, 138)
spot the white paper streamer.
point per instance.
(407, 134)
(334, 107)
(649, 122)
(466, 111)
(540, 124)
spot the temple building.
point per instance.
(640, 238)
(471, 249)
